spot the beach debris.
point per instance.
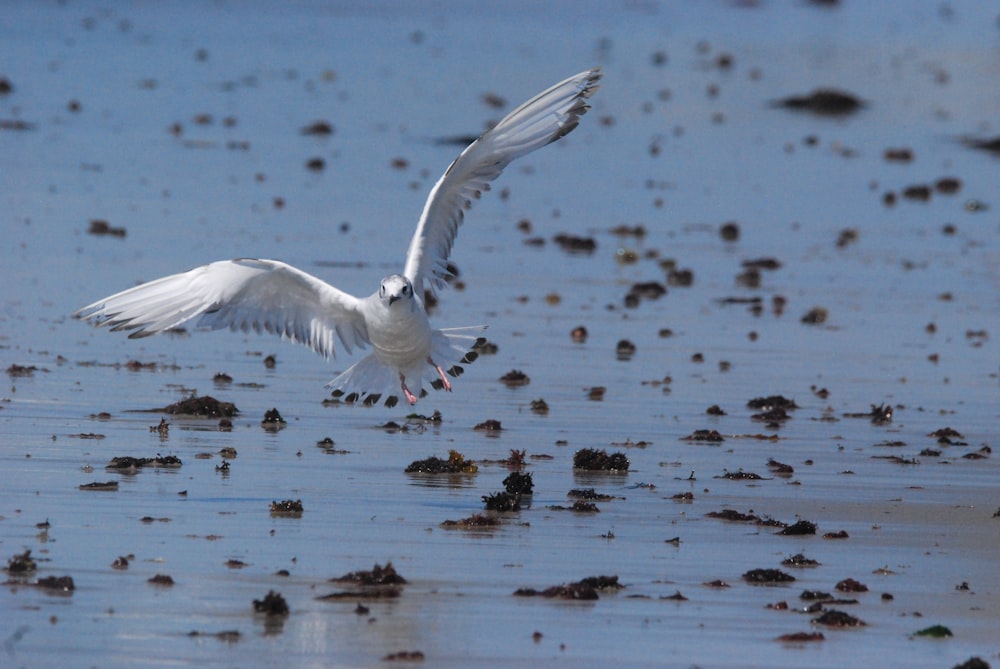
(519, 483)
(515, 378)
(102, 228)
(799, 560)
(772, 402)
(880, 414)
(593, 459)
(102, 486)
(473, 522)
(591, 494)
(404, 656)
(709, 436)
(272, 420)
(502, 501)
(318, 128)
(799, 528)
(62, 584)
(287, 509)
(206, 405)
(377, 583)
(229, 636)
(801, 637)
(489, 425)
(163, 429)
(273, 604)
(823, 102)
(934, 632)
(21, 563)
(585, 589)
(575, 244)
(376, 576)
(455, 464)
(835, 618)
(851, 585)
(129, 464)
(767, 576)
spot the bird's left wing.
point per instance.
(539, 121)
(243, 294)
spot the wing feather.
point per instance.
(244, 294)
(536, 123)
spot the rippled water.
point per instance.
(677, 142)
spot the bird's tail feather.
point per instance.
(369, 380)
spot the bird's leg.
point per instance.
(410, 397)
(444, 379)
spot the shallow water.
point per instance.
(680, 147)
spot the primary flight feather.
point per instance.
(272, 296)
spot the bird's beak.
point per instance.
(393, 298)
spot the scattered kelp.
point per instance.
(799, 560)
(710, 436)
(273, 604)
(502, 501)
(591, 494)
(377, 583)
(934, 632)
(834, 618)
(272, 420)
(376, 576)
(63, 584)
(474, 522)
(599, 460)
(799, 528)
(585, 589)
(100, 486)
(880, 414)
(127, 463)
(205, 405)
(519, 483)
(455, 464)
(767, 576)
(21, 563)
(823, 102)
(287, 509)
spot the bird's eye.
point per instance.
(406, 289)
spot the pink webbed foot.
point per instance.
(444, 379)
(410, 397)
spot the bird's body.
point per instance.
(271, 296)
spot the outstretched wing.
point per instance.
(243, 294)
(539, 121)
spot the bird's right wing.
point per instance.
(541, 120)
(243, 294)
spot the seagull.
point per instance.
(274, 297)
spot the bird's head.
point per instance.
(395, 288)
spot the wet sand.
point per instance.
(863, 280)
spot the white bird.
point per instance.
(271, 296)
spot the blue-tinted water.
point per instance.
(674, 143)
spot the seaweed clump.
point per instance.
(206, 405)
(455, 464)
(287, 508)
(377, 583)
(767, 576)
(377, 575)
(593, 459)
(585, 589)
(21, 563)
(273, 604)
